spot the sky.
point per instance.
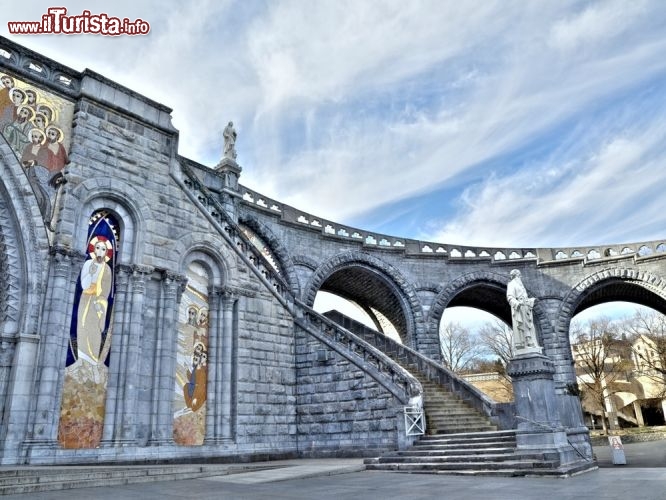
(499, 123)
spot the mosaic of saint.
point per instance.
(191, 360)
(37, 126)
(86, 372)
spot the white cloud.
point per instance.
(364, 104)
(572, 201)
(597, 23)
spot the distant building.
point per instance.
(632, 384)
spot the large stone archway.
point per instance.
(485, 291)
(609, 285)
(373, 284)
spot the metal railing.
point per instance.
(415, 422)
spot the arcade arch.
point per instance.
(375, 286)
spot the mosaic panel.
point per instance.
(37, 124)
(192, 360)
(86, 372)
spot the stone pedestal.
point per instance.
(230, 172)
(539, 428)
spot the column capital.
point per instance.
(174, 283)
(140, 271)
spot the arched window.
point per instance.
(86, 373)
(189, 425)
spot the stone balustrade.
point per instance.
(370, 355)
(452, 252)
(407, 386)
(431, 369)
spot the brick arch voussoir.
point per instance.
(650, 281)
(285, 260)
(305, 261)
(401, 285)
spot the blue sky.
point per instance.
(500, 123)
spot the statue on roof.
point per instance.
(229, 135)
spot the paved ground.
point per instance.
(644, 477)
(648, 454)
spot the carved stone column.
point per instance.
(213, 394)
(63, 273)
(132, 355)
(114, 402)
(227, 385)
(161, 432)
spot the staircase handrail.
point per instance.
(358, 349)
(431, 369)
(355, 350)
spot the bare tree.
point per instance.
(496, 336)
(459, 350)
(653, 325)
(601, 359)
(647, 331)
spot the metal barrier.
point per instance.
(415, 423)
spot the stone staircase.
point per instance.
(491, 453)
(451, 404)
(447, 413)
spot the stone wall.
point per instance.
(342, 411)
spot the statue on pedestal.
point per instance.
(524, 334)
(229, 135)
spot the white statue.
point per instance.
(524, 334)
(229, 135)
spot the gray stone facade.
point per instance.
(282, 381)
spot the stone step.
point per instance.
(424, 451)
(90, 473)
(482, 458)
(450, 411)
(36, 479)
(472, 437)
(455, 429)
(461, 419)
(450, 406)
(463, 446)
(66, 483)
(437, 466)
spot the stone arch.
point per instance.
(205, 256)
(212, 251)
(471, 290)
(403, 295)
(609, 285)
(637, 286)
(127, 204)
(24, 248)
(285, 260)
(305, 261)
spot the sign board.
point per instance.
(617, 450)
